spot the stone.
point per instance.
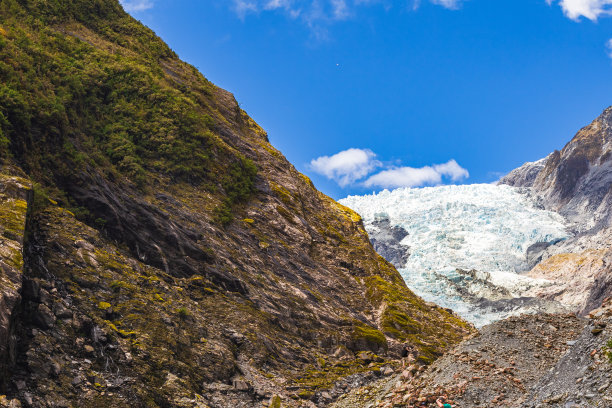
(54, 368)
(240, 385)
(60, 311)
(386, 371)
(44, 317)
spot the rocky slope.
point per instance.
(576, 180)
(583, 375)
(170, 256)
(541, 360)
(521, 362)
(577, 183)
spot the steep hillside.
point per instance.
(171, 257)
(528, 361)
(577, 183)
(577, 180)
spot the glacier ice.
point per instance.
(481, 227)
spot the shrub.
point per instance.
(182, 312)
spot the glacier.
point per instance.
(467, 244)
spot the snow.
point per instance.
(482, 226)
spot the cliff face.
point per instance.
(172, 256)
(577, 183)
(577, 180)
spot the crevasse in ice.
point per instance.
(482, 226)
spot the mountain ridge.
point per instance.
(577, 183)
(553, 360)
(171, 256)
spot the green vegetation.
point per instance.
(104, 305)
(182, 312)
(369, 336)
(84, 86)
(398, 323)
(608, 350)
(238, 185)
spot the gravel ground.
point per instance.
(498, 367)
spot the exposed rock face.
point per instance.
(525, 175)
(386, 241)
(179, 260)
(577, 183)
(576, 278)
(14, 192)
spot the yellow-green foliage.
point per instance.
(285, 213)
(104, 305)
(12, 217)
(361, 331)
(275, 402)
(398, 323)
(82, 86)
(307, 180)
(282, 193)
(314, 379)
(121, 332)
(118, 285)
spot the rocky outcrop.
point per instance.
(386, 239)
(14, 194)
(526, 175)
(577, 183)
(578, 280)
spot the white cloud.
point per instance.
(417, 177)
(450, 4)
(591, 9)
(351, 166)
(243, 7)
(347, 166)
(136, 5)
(453, 170)
(316, 12)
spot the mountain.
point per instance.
(554, 360)
(157, 251)
(576, 182)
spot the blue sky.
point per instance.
(362, 95)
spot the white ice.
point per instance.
(482, 226)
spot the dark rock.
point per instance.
(535, 252)
(44, 317)
(60, 311)
(386, 241)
